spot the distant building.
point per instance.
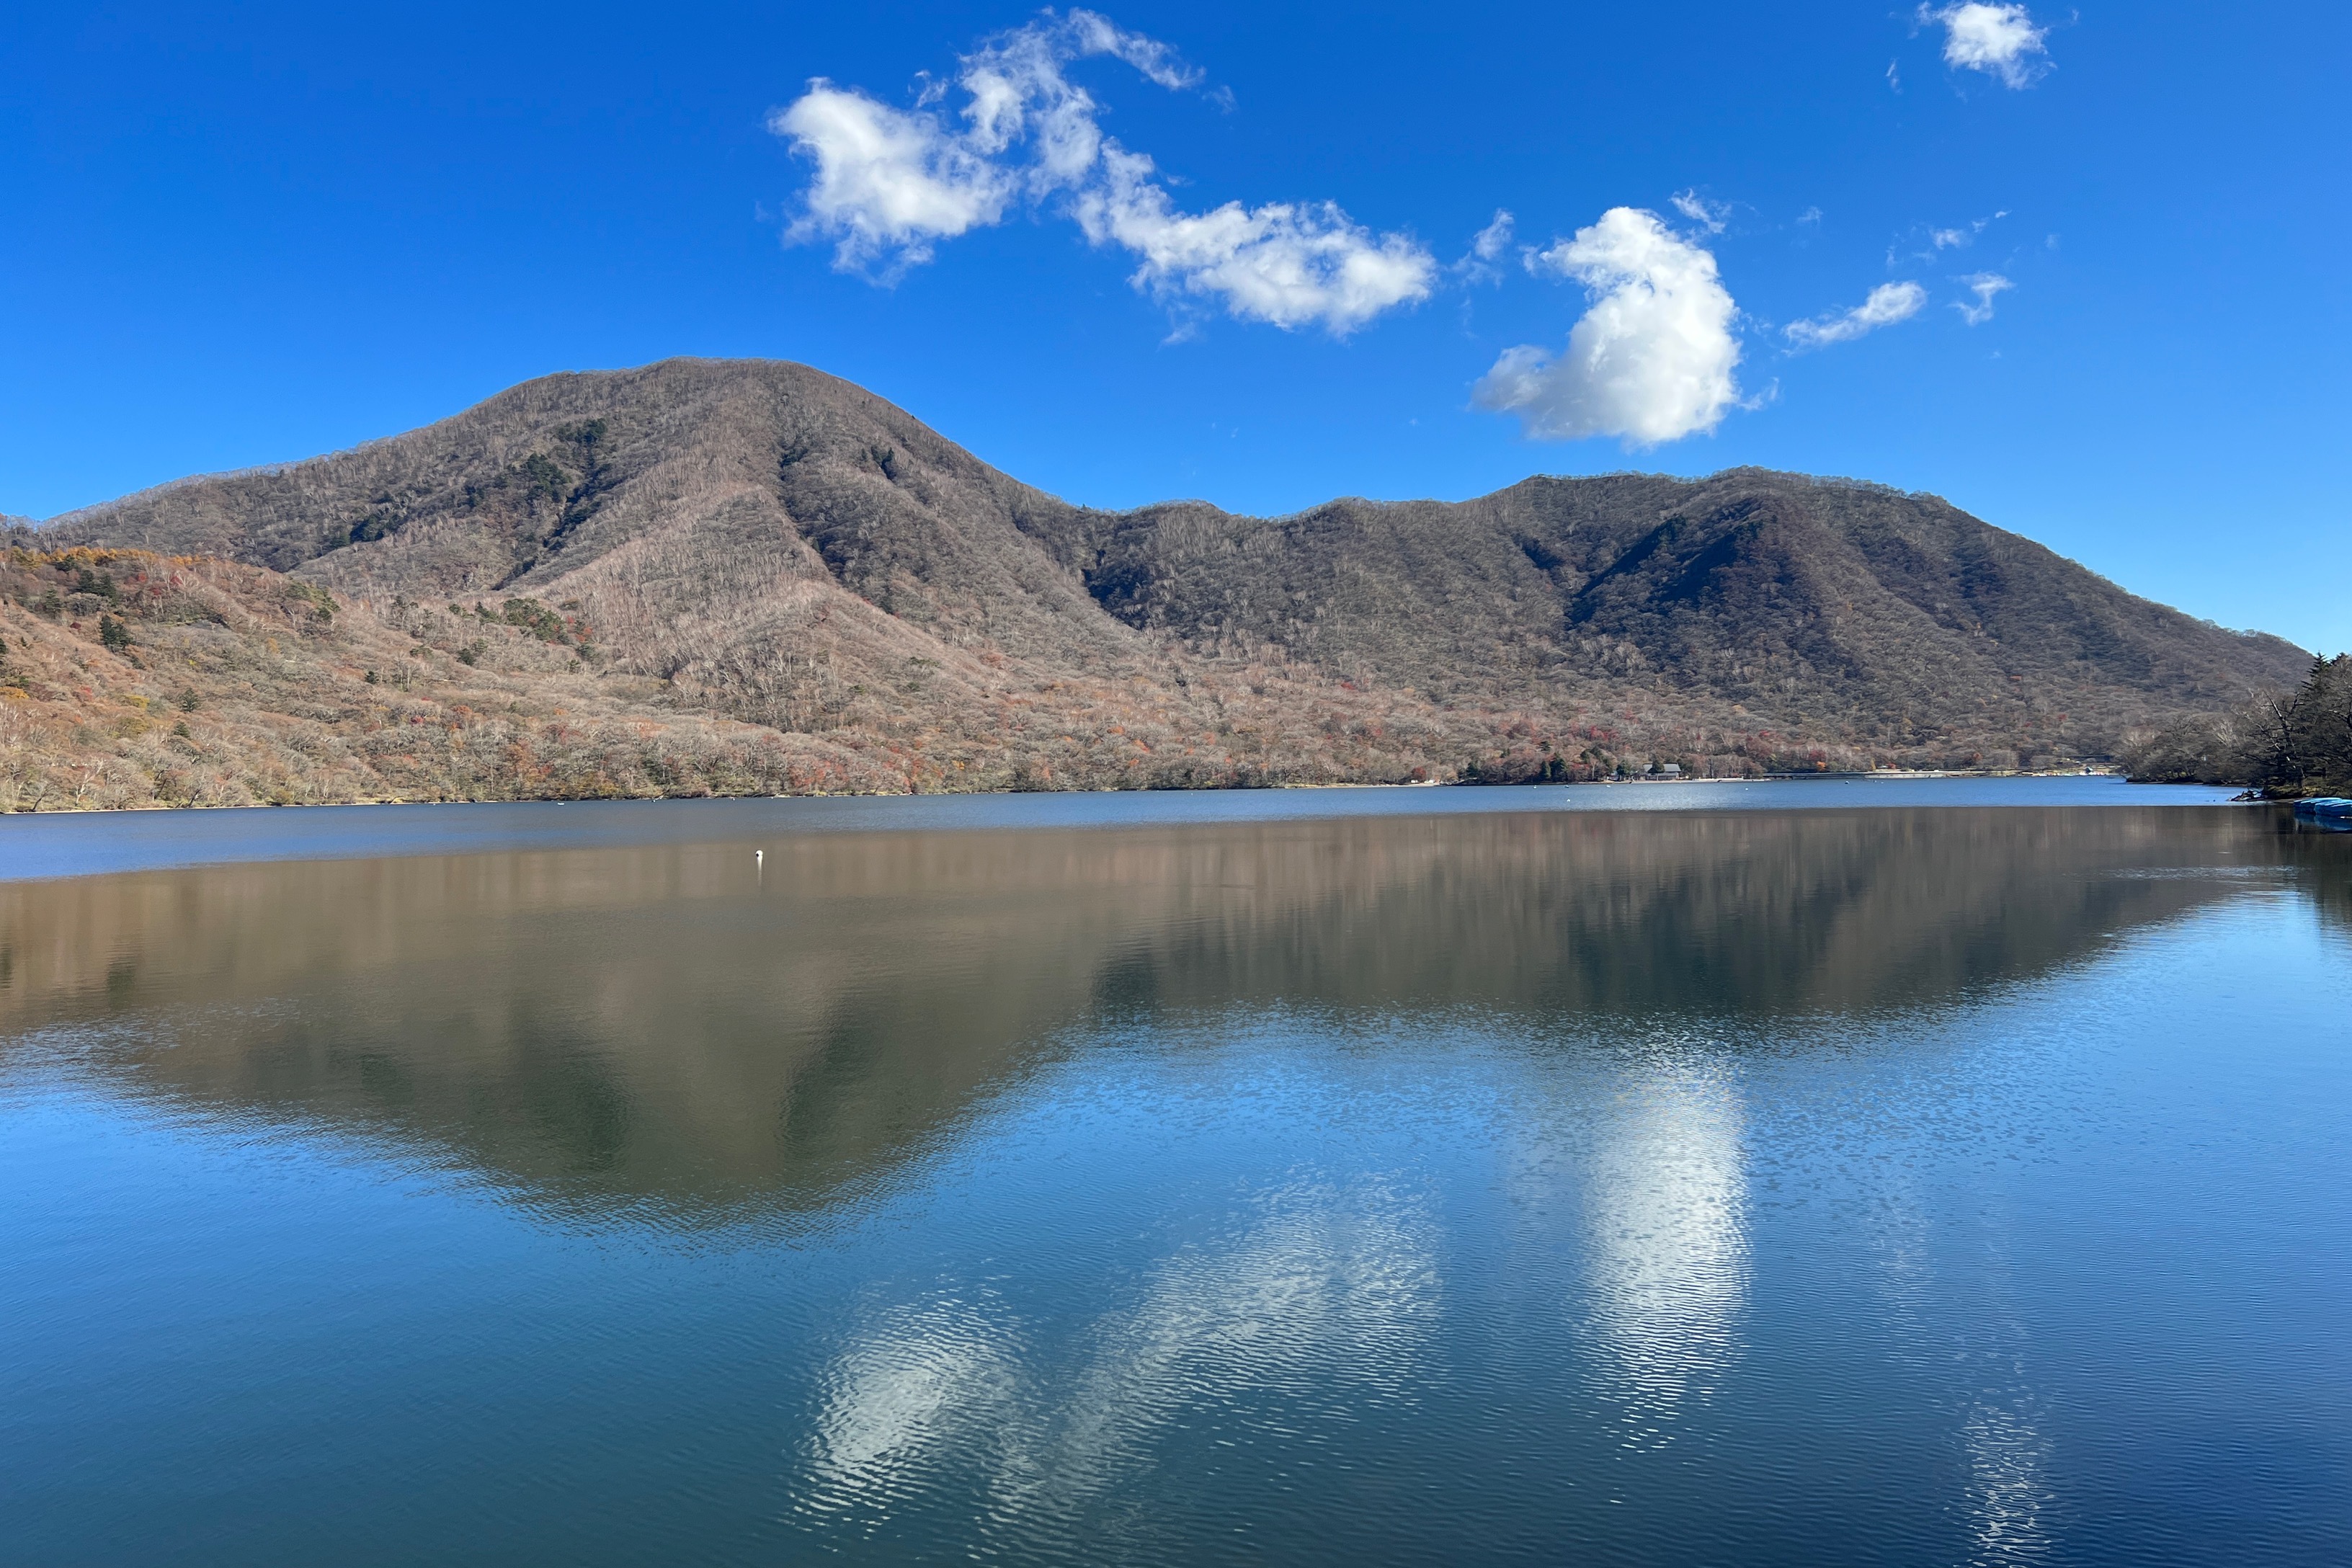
(1671, 768)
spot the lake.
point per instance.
(1854, 1172)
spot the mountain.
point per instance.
(764, 543)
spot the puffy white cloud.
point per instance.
(887, 183)
(1984, 286)
(890, 184)
(1293, 264)
(1709, 215)
(1999, 39)
(1650, 361)
(1888, 303)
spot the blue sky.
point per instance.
(2079, 270)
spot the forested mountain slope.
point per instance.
(1823, 607)
(763, 541)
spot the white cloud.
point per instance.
(1486, 248)
(1999, 39)
(890, 184)
(1709, 215)
(1922, 242)
(1292, 264)
(1018, 91)
(1984, 286)
(1651, 361)
(1491, 241)
(1888, 303)
(1956, 238)
(1098, 35)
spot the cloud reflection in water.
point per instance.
(1323, 1304)
(1666, 1213)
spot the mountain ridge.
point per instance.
(765, 542)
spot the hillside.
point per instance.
(1824, 607)
(758, 543)
(197, 681)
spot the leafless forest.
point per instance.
(748, 577)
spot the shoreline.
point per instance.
(49, 846)
(1883, 775)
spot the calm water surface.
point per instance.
(1860, 1176)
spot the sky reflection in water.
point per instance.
(1888, 1185)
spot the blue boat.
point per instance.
(2331, 809)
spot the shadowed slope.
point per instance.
(1857, 609)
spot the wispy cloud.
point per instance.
(1984, 286)
(1486, 249)
(1924, 241)
(1651, 359)
(1712, 216)
(892, 183)
(1887, 304)
(1491, 241)
(2000, 40)
(1095, 34)
(1955, 238)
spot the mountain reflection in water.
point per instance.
(1881, 1185)
(673, 1024)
